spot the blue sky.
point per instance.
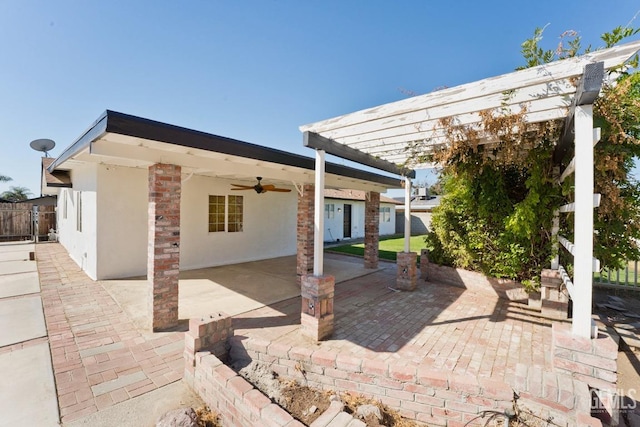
(251, 70)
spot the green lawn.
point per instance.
(388, 247)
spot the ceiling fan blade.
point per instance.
(268, 187)
(281, 190)
(242, 187)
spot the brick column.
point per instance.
(407, 274)
(304, 261)
(371, 229)
(316, 317)
(424, 264)
(555, 301)
(163, 260)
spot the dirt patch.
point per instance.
(306, 404)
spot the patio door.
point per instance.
(346, 231)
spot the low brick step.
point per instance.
(335, 416)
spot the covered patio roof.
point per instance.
(130, 141)
(384, 133)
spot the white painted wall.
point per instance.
(113, 243)
(269, 226)
(81, 245)
(122, 206)
(334, 227)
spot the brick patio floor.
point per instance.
(99, 358)
(441, 326)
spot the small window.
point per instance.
(235, 214)
(79, 211)
(216, 214)
(385, 214)
(330, 210)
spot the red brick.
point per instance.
(375, 367)
(279, 350)
(496, 390)
(433, 378)
(348, 363)
(464, 383)
(402, 373)
(276, 415)
(324, 358)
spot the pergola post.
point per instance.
(583, 256)
(407, 214)
(317, 291)
(407, 274)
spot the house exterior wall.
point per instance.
(334, 227)
(269, 228)
(122, 221)
(81, 199)
(113, 243)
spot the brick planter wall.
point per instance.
(371, 229)
(304, 260)
(592, 361)
(222, 389)
(206, 334)
(163, 265)
(475, 282)
(435, 397)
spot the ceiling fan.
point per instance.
(260, 188)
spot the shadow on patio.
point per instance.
(447, 327)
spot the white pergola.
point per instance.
(564, 90)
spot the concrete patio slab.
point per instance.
(19, 284)
(144, 410)
(233, 289)
(13, 256)
(21, 319)
(16, 267)
(30, 400)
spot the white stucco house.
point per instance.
(102, 181)
(344, 215)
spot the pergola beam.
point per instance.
(319, 142)
(587, 92)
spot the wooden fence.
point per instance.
(23, 221)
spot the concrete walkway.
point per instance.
(28, 395)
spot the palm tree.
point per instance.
(4, 178)
(16, 194)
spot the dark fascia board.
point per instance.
(319, 142)
(587, 92)
(138, 127)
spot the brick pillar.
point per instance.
(424, 264)
(407, 274)
(163, 263)
(555, 300)
(304, 261)
(316, 317)
(371, 229)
